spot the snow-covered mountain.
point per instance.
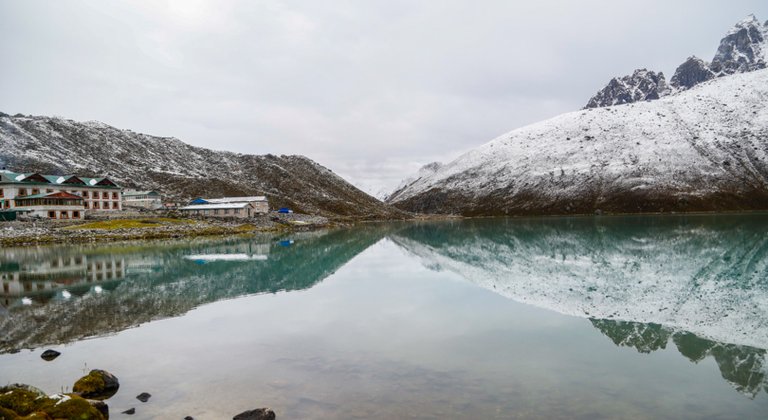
(702, 149)
(743, 49)
(178, 170)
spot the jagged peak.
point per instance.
(748, 22)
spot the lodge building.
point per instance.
(57, 197)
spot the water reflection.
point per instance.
(699, 282)
(744, 367)
(117, 287)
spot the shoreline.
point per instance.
(43, 232)
(149, 228)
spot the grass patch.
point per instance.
(130, 224)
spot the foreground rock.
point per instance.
(97, 385)
(24, 401)
(257, 414)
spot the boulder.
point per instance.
(144, 397)
(257, 414)
(97, 385)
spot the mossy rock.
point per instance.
(6, 414)
(72, 407)
(98, 385)
(23, 402)
(36, 416)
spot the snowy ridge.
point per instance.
(702, 149)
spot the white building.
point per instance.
(143, 199)
(228, 207)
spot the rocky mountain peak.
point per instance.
(692, 72)
(744, 48)
(641, 85)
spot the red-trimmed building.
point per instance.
(57, 197)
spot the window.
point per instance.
(51, 214)
(237, 211)
(22, 191)
(104, 195)
(114, 205)
(75, 214)
(64, 215)
(95, 204)
(48, 190)
(85, 194)
(114, 196)
(35, 191)
(2, 193)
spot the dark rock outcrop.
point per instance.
(641, 85)
(691, 73)
(144, 397)
(742, 49)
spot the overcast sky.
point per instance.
(370, 89)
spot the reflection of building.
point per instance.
(142, 199)
(57, 197)
(46, 276)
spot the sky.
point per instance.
(370, 89)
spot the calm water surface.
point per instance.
(613, 317)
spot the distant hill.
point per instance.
(178, 170)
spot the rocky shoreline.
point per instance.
(40, 232)
(87, 400)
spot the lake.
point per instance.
(639, 317)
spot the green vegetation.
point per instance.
(130, 224)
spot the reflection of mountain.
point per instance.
(742, 366)
(160, 282)
(706, 275)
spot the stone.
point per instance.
(131, 411)
(144, 397)
(189, 418)
(49, 355)
(97, 385)
(257, 414)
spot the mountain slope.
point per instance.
(702, 149)
(180, 171)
